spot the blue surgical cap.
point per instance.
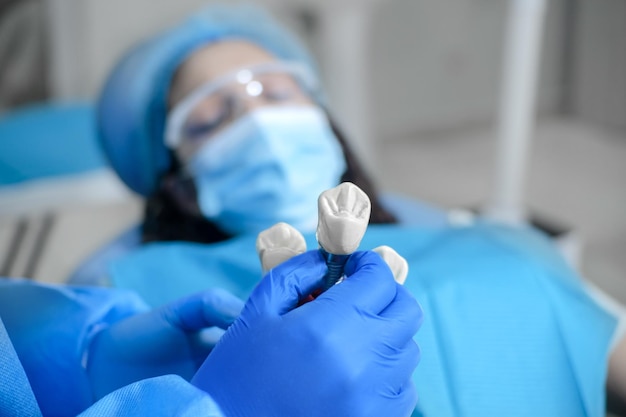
(132, 107)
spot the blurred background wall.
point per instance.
(598, 82)
(431, 64)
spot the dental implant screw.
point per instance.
(335, 264)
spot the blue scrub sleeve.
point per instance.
(50, 328)
(167, 395)
(16, 397)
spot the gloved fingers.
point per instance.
(405, 401)
(403, 317)
(221, 308)
(369, 285)
(202, 343)
(401, 365)
(214, 307)
(284, 286)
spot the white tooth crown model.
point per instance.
(398, 265)
(278, 244)
(343, 215)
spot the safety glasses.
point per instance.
(214, 105)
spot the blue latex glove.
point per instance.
(173, 339)
(347, 353)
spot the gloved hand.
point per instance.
(173, 339)
(347, 353)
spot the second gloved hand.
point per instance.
(173, 339)
(347, 353)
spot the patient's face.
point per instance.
(214, 65)
(271, 172)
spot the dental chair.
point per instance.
(53, 180)
(42, 145)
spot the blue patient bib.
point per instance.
(508, 328)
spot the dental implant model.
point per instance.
(343, 215)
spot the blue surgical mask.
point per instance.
(269, 166)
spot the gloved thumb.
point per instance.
(287, 284)
(211, 308)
